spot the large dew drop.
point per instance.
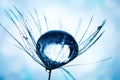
(56, 48)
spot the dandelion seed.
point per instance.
(52, 49)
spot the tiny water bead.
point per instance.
(56, 48)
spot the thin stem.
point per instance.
(49, 75)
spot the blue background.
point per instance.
(17, 65)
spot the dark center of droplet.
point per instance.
(56, 48)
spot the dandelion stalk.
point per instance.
(49, 77)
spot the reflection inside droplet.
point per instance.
(57, 52)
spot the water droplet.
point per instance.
(56, 48)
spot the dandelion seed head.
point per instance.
(54, 48)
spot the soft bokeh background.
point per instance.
(17, 65)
